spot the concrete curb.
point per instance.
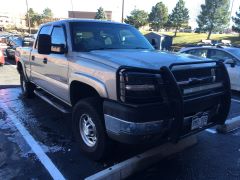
(230, 125)
(142, 161)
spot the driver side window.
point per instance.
(44, 30)
(58, 39)
(58, 36)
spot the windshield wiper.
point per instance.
(109, 48)
(140, 48)
(95, 49)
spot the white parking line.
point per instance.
(236, 100)
(36, 148)
(11, 65)
(211, 131)
(214, 131)
(142, 161)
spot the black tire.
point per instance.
(27, 87)
(8, 55)
(93, 108)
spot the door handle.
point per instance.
(33, 58)
(45, 60)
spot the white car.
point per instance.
(229, 55)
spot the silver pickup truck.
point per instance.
(119, 88)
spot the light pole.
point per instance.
(122, 11)
(72, 4)
(29, 25)
(232, 7)
(231, 22)
(73, 14)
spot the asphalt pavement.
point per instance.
(36, 143)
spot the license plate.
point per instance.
(199, 120)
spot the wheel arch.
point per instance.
(83, 86)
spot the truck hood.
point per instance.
(138, 58)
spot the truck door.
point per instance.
(234, 72)
(38, 67)
(56, 65)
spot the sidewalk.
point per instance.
(9, 76)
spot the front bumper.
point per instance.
(152, 123)
(135, 133)
(171, 119)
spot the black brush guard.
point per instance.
(176, 99)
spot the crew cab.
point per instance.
(119, 88)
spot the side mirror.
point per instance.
(44, 44)
(58, 48)
(231, 62)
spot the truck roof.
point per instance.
(82, 20)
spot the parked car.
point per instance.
(119, 87)
(2, 57)
(229, 55)
(15, 42)
(4, 37)
(3, 47)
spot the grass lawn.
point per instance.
(192, 38)
(183, 39)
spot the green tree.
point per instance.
(30, 15)
(38, 19)
(214, 16)
(158, 17)
(168, 25)
(137, 18)
(47, 15)
(100, 14)
(179, 16)
(236, 20)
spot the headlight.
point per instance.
(140, 87)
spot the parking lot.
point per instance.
(36, 143)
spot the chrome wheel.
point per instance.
(88, 130)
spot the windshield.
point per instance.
(236, 52)
(88, 36)
(17, 41)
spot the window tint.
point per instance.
(58, 36)
(219, 55)
(198, 52)
(127, 37)
(45, 30)
(236, 52)
(100, 36)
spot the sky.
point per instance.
(60, 8)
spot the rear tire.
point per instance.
(27, 87)
(88, 128)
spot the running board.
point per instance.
(52, 101)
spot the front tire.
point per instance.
(88, 128)
(27, 87)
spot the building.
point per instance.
(7, 21)
(87, 15)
